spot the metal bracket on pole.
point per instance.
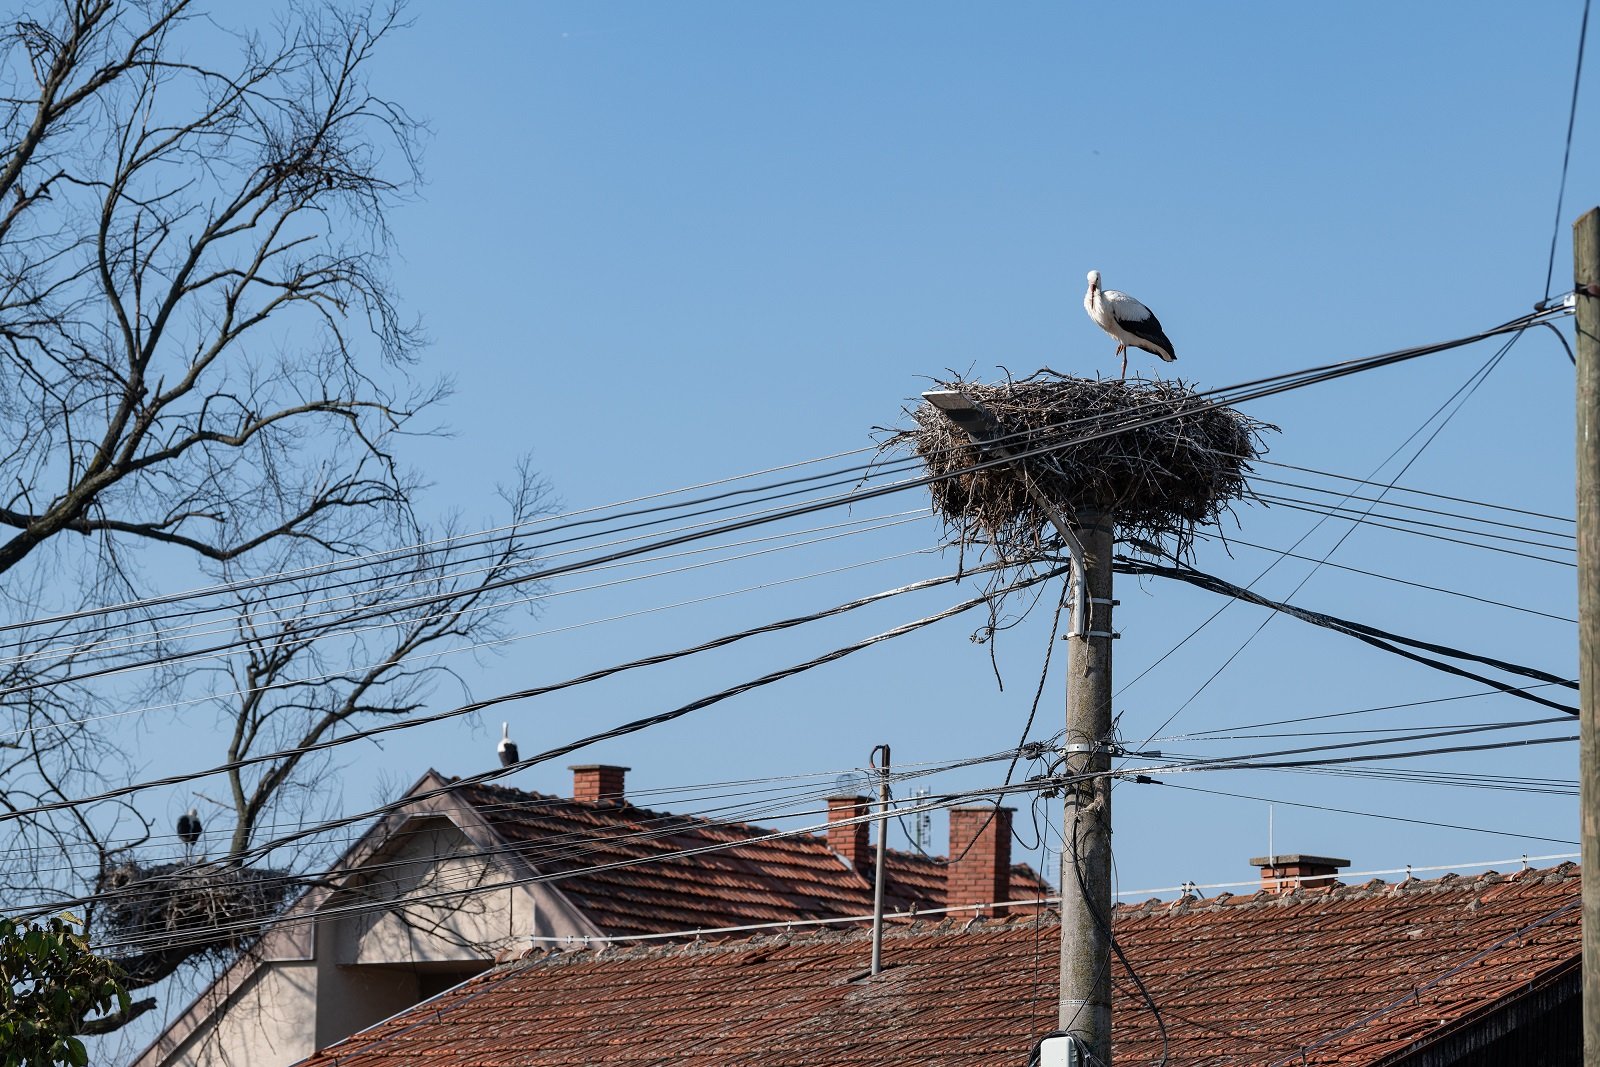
(984, 429)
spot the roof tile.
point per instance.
(636, 871)
(1344, 976)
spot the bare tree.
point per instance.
(203, 365)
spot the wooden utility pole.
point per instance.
(1586, 264)
(1085, 1008)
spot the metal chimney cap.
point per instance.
(1298, 859)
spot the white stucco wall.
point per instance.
(264, 1023)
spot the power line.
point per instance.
(1415, 735)
(1238, 393)
(363, 907)
(1464, 392)
(1477, 376)
(1295, 380)
(1250, 763)
(1400, 581)
(1566, 153)
(388, 555)
(1417, 507)
(1384, 640)
(1325, 513)
(231, 615)
(1364, 518)
(853, 527)
(1370, 814)
(1201, 734)
(1451, 779)
(523, 694)
(542, 854)
(1404, 489)
(946, 801)
(1292, 380)
(791, 787)
(1282, 383)
(1368, 731)
(1261, 387)
(496, 642)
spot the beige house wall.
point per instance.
(264, 1023)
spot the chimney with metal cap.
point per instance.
(597, 783)
(1295, 870)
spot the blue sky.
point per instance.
(664, 244)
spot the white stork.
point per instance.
(507, 747)
(1127, 321)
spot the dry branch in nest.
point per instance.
(203, 906)
(1155, 454)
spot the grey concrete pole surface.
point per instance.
(1586, 263)
(1085, 1009)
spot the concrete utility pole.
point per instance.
(1085, 1010)
(1586, 264)
(1085, 1001)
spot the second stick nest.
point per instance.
(201, 907)
(1157, 455)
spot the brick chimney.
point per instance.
(980, 858)
(849, 841)
(595, 783)
(1293, 870)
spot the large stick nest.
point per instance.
(201, 906)
(1159, 457)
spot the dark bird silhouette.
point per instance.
(508, 747)
(189, 828)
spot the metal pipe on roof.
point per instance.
(883, 849)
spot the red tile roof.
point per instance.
(1345, 975)
(636, 871)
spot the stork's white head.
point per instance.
(505, 732)
(193, 814)
(1094, 280)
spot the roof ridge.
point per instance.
(957, 923)
(742, 941)
(754, 829)
(1341, 891)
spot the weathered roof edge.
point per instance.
(915, 857)
(736, 941)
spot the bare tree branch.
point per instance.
(201, 358)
